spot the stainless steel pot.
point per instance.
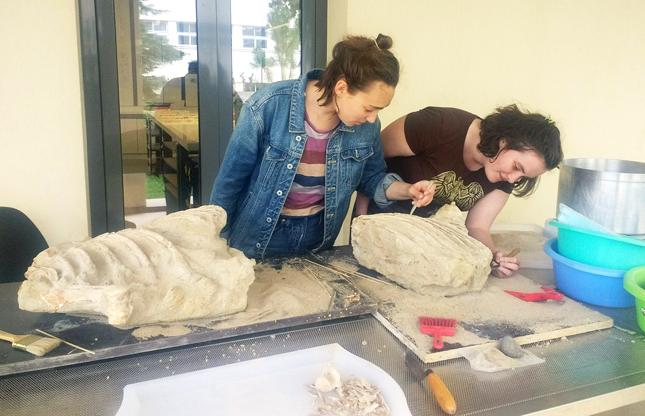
(610, 192)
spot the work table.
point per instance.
(589, 373)
(181, 124)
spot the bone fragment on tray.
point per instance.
(352, 397)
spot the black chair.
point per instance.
(20, 242)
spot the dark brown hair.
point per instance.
(521, 131)
(360, 61)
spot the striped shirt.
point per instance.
(307, 193)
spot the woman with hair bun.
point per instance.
(302, 147)
(475, 163)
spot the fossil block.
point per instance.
(173, 268)
(434, 255)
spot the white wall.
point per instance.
(582, 62)
(43, 165)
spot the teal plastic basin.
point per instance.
(595, 248)
(635, 284)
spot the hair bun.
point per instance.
(383, 41)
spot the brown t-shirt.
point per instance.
(436, 135)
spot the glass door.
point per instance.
(158, 117)
(157, 64)
(266, 45)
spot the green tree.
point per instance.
(155, 51)
(284, 25)
(261, 62)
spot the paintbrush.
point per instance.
(65, 342)
(34, 344)
(432, 382)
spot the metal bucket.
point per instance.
(610, 192)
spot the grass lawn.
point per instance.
(154, 187)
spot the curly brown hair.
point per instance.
(521, 131)
(360, 61)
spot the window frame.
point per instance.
(156, 23)
(191, 26)
(183, 39)
(101, 99)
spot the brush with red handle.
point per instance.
(438, 328)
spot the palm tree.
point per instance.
(284, 26)
(261, 62)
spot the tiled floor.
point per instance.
(152, 211)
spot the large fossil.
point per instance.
(174, 268)
(432, 255)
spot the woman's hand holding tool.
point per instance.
(421, 194)
(504, 265)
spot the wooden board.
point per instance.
(483, 317)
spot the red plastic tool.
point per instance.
(437, 327)
(547, 293)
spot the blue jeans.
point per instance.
(296, 235)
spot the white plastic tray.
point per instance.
(275, 385)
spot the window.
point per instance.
(159, 26)
(106, 195)
(154, 25)
(186, 40)
(254, 37)
(254, 43)
(187, 27)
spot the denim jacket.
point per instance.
(263, 154)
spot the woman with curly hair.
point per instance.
(475, 163)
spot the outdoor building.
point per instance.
(254, 56)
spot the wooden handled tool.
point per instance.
(432, 382)
(440, 391)
(34, 344)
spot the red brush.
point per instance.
(437, 327)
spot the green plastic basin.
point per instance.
(634, 282)
(594, 248)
